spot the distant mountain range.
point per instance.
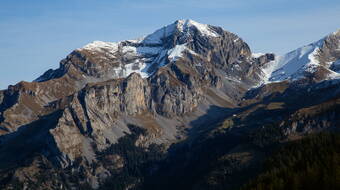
(189, 106)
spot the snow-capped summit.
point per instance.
(289, 65)
(204, 29)
(185, 27)
(181, 27)
(316, 60)
(146, 54)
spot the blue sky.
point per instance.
(36, 34)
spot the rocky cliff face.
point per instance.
(172, 84)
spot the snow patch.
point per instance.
(257, 55)
(236, 40)
(268, 69)
(135, 67)
(100, 45)
(177, 52)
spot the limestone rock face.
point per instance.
(67, 137)
(173, 94)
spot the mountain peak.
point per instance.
(313, 60)
(185, 27)
(146, 54)
(204, 29)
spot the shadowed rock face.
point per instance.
(178, 79)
